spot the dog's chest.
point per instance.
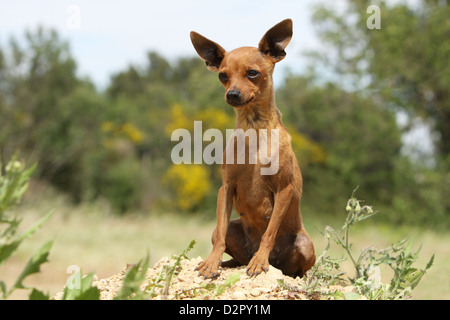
(253, 195)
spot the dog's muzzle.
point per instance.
(234, 98)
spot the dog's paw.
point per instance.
(257, 265)
(208, 268)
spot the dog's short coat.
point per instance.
(270, 228)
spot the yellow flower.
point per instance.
(190, 182)
(215, 118)
(132, 133)
(178, 119)
(127, 130)
(108, 126)
(307, 150)
(211, 118)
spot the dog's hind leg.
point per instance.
(296, 254)
(235, 245)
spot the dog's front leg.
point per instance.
(209, 268)
(260, 260)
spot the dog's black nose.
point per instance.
(234, 96)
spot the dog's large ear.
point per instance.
(208, 50)
(276, 40)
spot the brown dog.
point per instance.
(270, 228)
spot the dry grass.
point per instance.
(101, 242)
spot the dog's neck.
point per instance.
(261, 114)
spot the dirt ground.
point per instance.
(188, 285)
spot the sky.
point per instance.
(106, 36)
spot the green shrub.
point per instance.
(13, 184)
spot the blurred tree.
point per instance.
(403, 66)
(160, 97)
(35, 78)
(116, 145)
(148, 92)
(405, 63)
(360, 140)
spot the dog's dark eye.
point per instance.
(223, 77)
(252, 74)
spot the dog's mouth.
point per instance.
(237, 104)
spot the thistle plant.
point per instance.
(399, 257)
(14, 179)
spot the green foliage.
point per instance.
(359, 138)
(134, 277)
(323, 273)
(122, 184)
(162, 282)
(404, 68)
(415, 77)
(13, 185)
(81, 288)
(218, 289)
(367, 279)
(420, 195)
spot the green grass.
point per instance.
(90, 237)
